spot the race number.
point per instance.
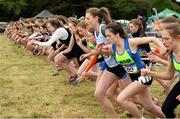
(131, 69)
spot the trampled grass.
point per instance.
(28, 90)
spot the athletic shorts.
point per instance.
(119, 71)
(54, 46)
(77, 55)
(147, 62)
(146, 80)
(102, 65)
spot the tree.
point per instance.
(119, 9)
(12, 8)
(125, 9)
(163, 4)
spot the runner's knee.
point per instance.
(99, 95)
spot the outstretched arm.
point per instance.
(168, 75)
(144, 40)
(60, 33)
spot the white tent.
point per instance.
(44, 14)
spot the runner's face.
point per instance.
(42, 29)
(82, 31)
(72, 28)
(110, 36)
(50, 27)
(36, 29)
(91, 21)
(167, 40)
(91, 37)
(133, 28)
(157, 30)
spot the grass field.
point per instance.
(28, 90)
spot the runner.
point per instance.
(106, 83)
(170, 36)
(126, 53)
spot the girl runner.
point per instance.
(106, 83)
(126, 53)
(170, 37)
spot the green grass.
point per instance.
(28, 90)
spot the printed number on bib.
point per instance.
(131, 69)
(144, 79)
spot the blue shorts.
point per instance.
(102, 65)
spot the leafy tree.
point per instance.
(163, 4)
(119, 9)
(125, 9)
(12, 8)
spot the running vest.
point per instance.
(101, 39)
(130, 61)
(66, 41)
(91, 45)
(175, 63)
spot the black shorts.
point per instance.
(77, 55)
(136, 77)
(54, 46)
(119, 71)
(147, 62)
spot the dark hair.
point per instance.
(55, 23)
(117, 28)
(29, 27)
(44, 26)
(36, 26)
(173, 29)
(102, 14)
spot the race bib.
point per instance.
(131, 69)
(144, 79)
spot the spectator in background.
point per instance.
(143, 19)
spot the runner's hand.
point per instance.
(178, 97)
(84, 74)
(82, 57)
(153, 57)
(145, 72)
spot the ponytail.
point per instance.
(106, 15)
(102, 14)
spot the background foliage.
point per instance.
(120, 9)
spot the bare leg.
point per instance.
(123, 98)
(63, 62)
(106, 80)
(146, 98)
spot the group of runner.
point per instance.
(99, 48)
